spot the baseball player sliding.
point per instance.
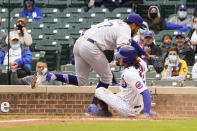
(88, 51)
(134, 95)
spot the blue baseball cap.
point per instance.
(135, 18)
(182, 7)
(180, 34)
(148, 34)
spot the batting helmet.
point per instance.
(128, 53)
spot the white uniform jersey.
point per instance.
(129, 101)
(142, 70)
(109, 34)
(132, 84)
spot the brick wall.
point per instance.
(47, 103)
(71, 101)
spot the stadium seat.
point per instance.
(168, 83)
(68, 67)
(73, 10)
(115, 68)
(77, 3)
(58, 3)
(190, 83)
(84, 26)
(1, 2)
(13, 3)
(92, 81)
(117, 74)
(98, 10)
(153, 75)
(190, 11)
(123, 10)
(189, 68)
(50, 20)
(93, 75)
(48, 31)
(112, 15)
(4, 12)
(49, 11)
(149, 82)
(152, 2)
(15, 13)
(175, 2)
(190, 4)
(42, 3)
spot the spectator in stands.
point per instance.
(194, 72)
(181, 19)
(2, 39)
(174, 68)
(192, 35)
(18, 54)
(40, 65)
(139, 38)
(166, 44)
(31, 11)
(21, 30)
(150, 47)
(155, 21)
(92, 3)
(185, 51)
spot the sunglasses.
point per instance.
(182, 10)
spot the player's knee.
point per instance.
(99, 91)
(107, 78)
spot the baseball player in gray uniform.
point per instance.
(88, 51)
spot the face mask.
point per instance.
(153, 15)
(142, 31)
(182, 14)
(29, 3)
(15, 47)
(172, 58)
(195, 26)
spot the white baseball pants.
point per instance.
(116, 102)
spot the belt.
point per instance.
(90, 40)
(137, 106)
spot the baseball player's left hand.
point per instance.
(124, 44)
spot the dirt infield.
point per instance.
(20, 120)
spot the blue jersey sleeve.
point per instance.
(138, 48)
(147, 101)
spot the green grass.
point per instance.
(153, 125)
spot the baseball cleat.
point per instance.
(93, 110)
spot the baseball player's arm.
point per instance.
(65, 78)
(138, 84)
(137, 47)
(147, 101)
